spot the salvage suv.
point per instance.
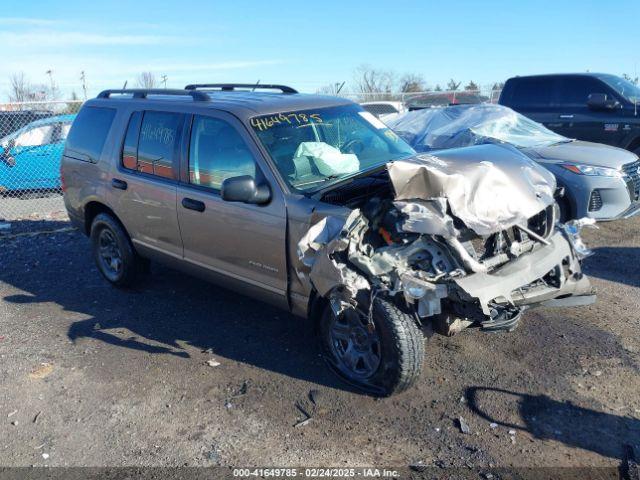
(311, 203)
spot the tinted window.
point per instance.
(576, 90)
(130, 147)
(217, 152)
(380, 108)
(530, 92)
(89, 132)
(158, 143)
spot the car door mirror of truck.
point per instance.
(602, 101)
(244, 189)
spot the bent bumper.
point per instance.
(515, 282)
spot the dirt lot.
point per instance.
(95, 376)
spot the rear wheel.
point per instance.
(113, 252)
(382, 358)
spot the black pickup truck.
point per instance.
(594, 107)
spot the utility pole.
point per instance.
(164, 80)
(83, 78)
(53, 85)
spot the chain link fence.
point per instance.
(32, 137)
(425, 99)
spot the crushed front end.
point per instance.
(468, 237)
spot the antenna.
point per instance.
(124, 87)
(254, 88)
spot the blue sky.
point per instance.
(309, 44)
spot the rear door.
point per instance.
(242, 243)
(533, 97)
(145, 182)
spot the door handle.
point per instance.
(192, 204)
(566, 116)
(119, 184)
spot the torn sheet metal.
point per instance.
(316, 249)
(427, 217)
(485, 186)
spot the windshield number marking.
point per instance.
(265, 123)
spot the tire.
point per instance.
(113, 252)
(396, 338)
(565, 209)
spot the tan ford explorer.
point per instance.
(312, 204)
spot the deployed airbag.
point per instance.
(327, 158)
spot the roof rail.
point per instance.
(144, 92)
(233, 86)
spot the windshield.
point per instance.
(624, 87)
(313, 148)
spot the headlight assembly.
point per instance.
(592, 170)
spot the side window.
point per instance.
(130, 147)
(89, 132)
(576, 90)
(217, 152)
(158, 143)
(151, 143)
(533, 92)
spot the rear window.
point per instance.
(89, 132)
(530, 92)
(380, 108)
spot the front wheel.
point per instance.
(383, 358)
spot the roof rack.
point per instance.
(227, 87)
(144, 92)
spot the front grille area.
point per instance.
(631, 171)
(595, 202)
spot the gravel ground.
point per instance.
(95, 376)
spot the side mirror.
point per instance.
(244, 189)
(11, 144)
(601, 101)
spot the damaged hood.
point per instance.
(488, 187)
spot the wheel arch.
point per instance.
(634, 144)
(92, 209)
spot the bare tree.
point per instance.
(375, 84)
(437, 88)
(21, 88)
(147, 80)
(629, 78)
(472, 86)
(452, 86)
(412, 82)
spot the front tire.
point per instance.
(113, 252)
(382, 360)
